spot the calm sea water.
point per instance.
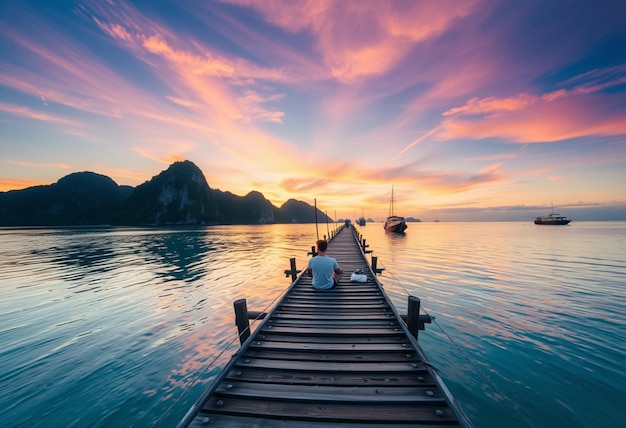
(127, 327)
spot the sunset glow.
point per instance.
(472, 110)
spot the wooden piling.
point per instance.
(413, 313)
(375, 268)
(241, 319)
(292, 271)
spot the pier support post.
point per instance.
(413, 313)
(293, 271)
(375, 266)
(241, 319)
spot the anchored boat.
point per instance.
(394, 223)
(552, 219)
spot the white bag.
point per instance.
(355, 277)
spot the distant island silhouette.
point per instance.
(180, 195)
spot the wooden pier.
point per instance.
(337, 358)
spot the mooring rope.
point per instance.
(215, 359)
(460, 349)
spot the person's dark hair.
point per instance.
(322, 245)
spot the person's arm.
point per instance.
(338, 269)
(308, 271)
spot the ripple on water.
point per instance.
(127, 321)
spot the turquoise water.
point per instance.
(127, 327)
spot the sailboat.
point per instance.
(394, 223)
(361, 220)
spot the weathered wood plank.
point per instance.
(303, 377)
(352, 322)
(337, 356)
(330, 366)
(278, 317)
(373, 338)
(337, 394)
(359, 296)
(314, 331)
(375, 413)
(229, 421)
(330, 347)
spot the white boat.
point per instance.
(552, 219)
(394, 223)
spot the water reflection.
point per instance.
(534, 309)
(125, 321)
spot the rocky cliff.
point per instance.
(179, 195)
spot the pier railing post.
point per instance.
(241, 319)
(413, 314)
(293, 271)
(375, 266)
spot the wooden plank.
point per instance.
(324, 331)
(373, 338)
(337, 394)
(230, 421)
(330, 347)
(329, 322)
(303, 377)
(362, 357)
(330, 366)
(329, 312)
(346, 412)
(338, 306)
(340, 298)
(374, 303)
(331, 317)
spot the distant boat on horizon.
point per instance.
(394, 223)
(552, 219)
(361, 220)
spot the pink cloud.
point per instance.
(39, 115)
(38, 164)
(206, 65)
(365, 38)
(208, 101)
(493, 104)
(183, 102)
(116, 31)
(251, 102)
(304, 185)
(558, 115)
(429, 181)
(201, 77)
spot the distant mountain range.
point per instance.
(179, 195)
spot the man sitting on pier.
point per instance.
(324, 270)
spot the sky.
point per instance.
(470, 110)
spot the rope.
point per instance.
(211, 364)
(460, 349)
